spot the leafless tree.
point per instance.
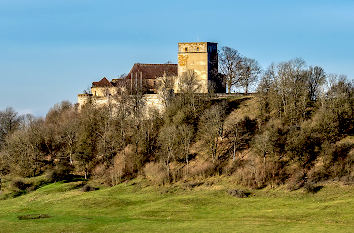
(211, 128)
(188, 83)
(316, 77)
(165, 88)
(250, 71)
(9, 122)
(185, 136)
(230, 66)
(169, 145)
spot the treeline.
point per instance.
(297, 128)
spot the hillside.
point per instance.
(290, 146)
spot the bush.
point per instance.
(60, 172)
(156, 173)
(339, 159)
(20, 184)
(122, 168)
(203, 169)
(88, 188)
(297, 180)
(239, 193)
(233, 165)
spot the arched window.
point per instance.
(186, 49)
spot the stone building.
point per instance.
(199, 57)
(202, 58)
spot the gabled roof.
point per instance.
(102, 83)
(153, 71)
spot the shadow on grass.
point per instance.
(311, 188)
(32, 216)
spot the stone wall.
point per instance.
(103, 91)
(152, 102)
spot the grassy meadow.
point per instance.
(137, 207)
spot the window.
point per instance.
(197, 49)
(186, 49)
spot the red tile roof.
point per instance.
(153, 71)
(102, 83)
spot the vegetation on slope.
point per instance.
(296, 131)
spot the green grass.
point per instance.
(136, 207)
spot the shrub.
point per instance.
(156, 173)
(60, 172)
(202, 168)
(20, 184)
(297, 180)
(339, 158)
(239, 193)
(255, 173)
(123, 167)
(88, 188)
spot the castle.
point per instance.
(199, 57)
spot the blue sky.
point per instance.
(52, 50)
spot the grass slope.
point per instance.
(136, 207)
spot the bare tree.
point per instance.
(230, 65)
(165, 88)
(316, 77)
(211, 128)
(185, 135)
(188, 83)
(250, 71)
(169, 145)
(9, 122)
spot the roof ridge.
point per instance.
(154, 64)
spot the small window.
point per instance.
(197, 49)
(186, 49)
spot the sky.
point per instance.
(51, 51)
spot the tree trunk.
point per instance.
(234, 156)
(71, 158)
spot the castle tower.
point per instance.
(202, 58)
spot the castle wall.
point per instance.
(103, 91)
(83, 99)
(152, 102)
